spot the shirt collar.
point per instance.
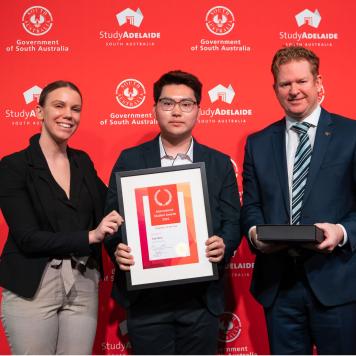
(312, 119)
(186, 155)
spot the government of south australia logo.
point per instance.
(229, 327)
(220, 20)
(37, 20)
(130, 93)
(307, 17)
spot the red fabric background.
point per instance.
(182, 41)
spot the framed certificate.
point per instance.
(167, 222)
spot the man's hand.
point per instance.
(123, 257)
(333, 236)
(265, 247)
(215, 248)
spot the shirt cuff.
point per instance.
(344, 241)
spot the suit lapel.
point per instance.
(41, 181)
(84, 172)
(280, 158)
(151, 154)
(77, 174)
(199, 153)
(322, 139)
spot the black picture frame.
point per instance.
(148, 272)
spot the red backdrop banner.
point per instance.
(115, 50)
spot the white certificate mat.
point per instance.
(168, 240)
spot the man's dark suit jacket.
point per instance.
(330, 196)
(224, 205)
(34, 235)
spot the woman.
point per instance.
(52, 201)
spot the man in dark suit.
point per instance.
(302, 170)
(178, 319)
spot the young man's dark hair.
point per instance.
(177, 77)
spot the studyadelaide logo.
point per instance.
(307, 17)
(134, 18)
(223, 108)
(309, 31)
(129, 32)
(222, 93)
(26, 115)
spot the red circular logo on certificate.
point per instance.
(130, 93)
(229, 327)
(163, 197)
(37, 20)
(220, 20)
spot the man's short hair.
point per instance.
(178, 77)
(294, 53)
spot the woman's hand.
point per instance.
(109, 225)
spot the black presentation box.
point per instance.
(290, 233)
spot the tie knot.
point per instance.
(301, 128)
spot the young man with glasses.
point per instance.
(179, 319)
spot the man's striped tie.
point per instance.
(300, 170)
